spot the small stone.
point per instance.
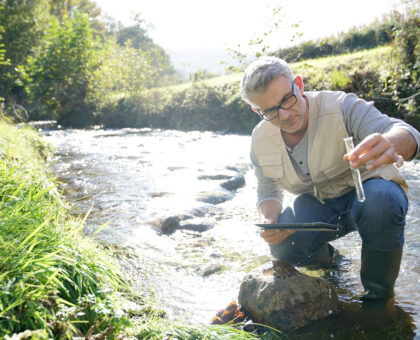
(215, 197)
(215, 177)
(168, 225)
(196, 224)
(212, 269)
(235, 183)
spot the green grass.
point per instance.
(359, 72)
(161, 329)
(50, 275)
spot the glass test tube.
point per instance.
(357, 179)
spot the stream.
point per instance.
(131, 180)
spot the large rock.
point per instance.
(283, 298)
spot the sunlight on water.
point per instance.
(135, 178)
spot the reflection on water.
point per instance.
(131, 178)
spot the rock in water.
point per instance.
(283, 298)
(234, 183)
(168, 225)
(215, 197)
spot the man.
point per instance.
(298, 147)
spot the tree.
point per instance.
(62, 9)
(124, 71)
(135, 34)
(3, 60)
(58, 78)
(405, 76)
(137, 37)
(23, 24)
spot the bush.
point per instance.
(58, 78)
(199, 106)
(404, 77)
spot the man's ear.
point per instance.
(299, 83)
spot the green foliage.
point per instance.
(339, 79)
(62, 9)
(198, 106)
(50, 51)
(58, 78)
(136, 36)
(160, 329)
(50, 275)
(404, 78)
(3, 60)
(358, 38)
(360, 73)
(201, 75)
(23, 23)
(123, 71)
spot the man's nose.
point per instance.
(284, 114)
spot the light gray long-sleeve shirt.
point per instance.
(361, 119)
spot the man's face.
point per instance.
(280, 92)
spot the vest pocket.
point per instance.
(337, 169)
(271, 166)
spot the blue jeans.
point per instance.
(380, 221)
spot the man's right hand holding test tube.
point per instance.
(377, 149)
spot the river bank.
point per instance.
(58, 282)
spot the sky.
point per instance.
(186, 25)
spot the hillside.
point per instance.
(215, 104)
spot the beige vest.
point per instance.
(330, 174)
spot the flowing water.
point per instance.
(130, 179)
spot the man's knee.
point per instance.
(386, 197)
(381, 218)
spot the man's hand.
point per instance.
(379, 149)
(271, 211)
(275, 236)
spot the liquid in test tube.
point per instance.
(357, 179)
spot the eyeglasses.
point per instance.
(285, 104)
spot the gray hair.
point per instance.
(260, 73)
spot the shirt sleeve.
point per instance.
(362, 118)
(267, 188)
